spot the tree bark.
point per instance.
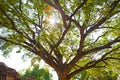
(62, 75)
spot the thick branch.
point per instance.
(100, 22)
(93, 64)
(95, 26)
(75, 22)
(79, 52)
(111, 58)
(41, 51)
(58, 7)
(88, 67)
(59, 56)
(108, 45)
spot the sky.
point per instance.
(14, 61)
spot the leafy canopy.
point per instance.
(69, 35)
(37, 73)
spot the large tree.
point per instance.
(69, 35)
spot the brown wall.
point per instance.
(9, 78)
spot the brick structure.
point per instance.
(7, 73)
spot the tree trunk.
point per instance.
(62, 76)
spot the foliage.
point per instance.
(96, 74)
(69, 35)
(38, 73)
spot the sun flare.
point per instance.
(51, 19)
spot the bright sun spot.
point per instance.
(51, 20)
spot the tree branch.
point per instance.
(76, 10)
(11, 21)
(79, 51)
(63, 35)
(94, 63)
(50, 3)
(75, 22)
(108, 45)
(101, 36)
(95, 26)
(59, 8)
(110, 52)
(111, 58)
(12, 42)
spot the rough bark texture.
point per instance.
(62, 76)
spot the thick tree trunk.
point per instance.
(63, 79)
(62, 76)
